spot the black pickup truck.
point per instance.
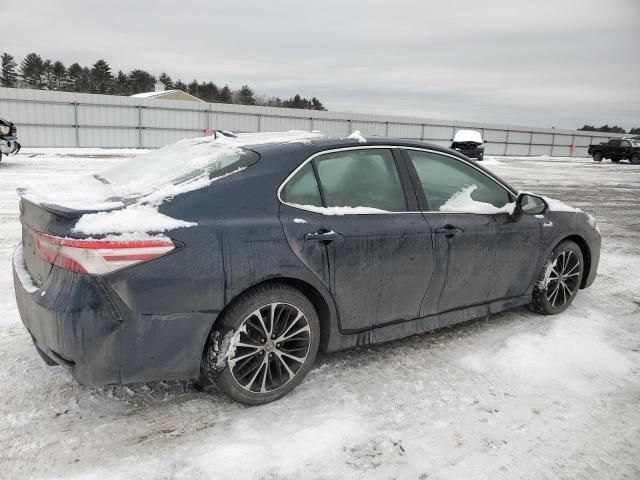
(617, 149)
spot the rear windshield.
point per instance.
(183, 162)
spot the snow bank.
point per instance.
(82, 152)
(462, 202)
(572, 355)
(357, 136)
(467, 136)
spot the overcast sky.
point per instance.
(542, 63)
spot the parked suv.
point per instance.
(469, 143)
(617, 149)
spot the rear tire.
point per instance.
(559, 280)
(597, 156)
(263, 345)
(635, 159)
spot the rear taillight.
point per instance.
(98, 257)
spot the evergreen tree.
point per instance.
(32, 70)
(208, 92)
(59, 74)
(180, 85)
(225, 95)
(85, 81)
(635, 131)
(74, 76)
(246, 96)
(166, 81)
(141, 81)
(101, 78)
(8, 76)
(47, 74)
(193, 88)
(317, 104)
(121, 84)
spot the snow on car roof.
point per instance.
(467, 136)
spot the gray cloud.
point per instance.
(531, 63)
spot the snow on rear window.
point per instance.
(175, 164)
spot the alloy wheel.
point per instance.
(270, 347)
(563, 279)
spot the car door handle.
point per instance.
(449, 231)
(323, 236)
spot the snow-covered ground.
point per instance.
(517, 396)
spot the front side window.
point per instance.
(451, 185)
(361, 178)
(624, 143)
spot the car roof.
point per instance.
(327, 143)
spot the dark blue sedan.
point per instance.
(235, 259)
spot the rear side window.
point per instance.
(443, 177)
(361, 178)
(302, 189)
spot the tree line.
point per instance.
(44, 74)
(608, 129)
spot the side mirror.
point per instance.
(530, 204)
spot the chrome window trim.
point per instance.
(444, 154)
(334, 150)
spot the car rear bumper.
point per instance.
(77, 321)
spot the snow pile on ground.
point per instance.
(357, 136)
(82, 152)
(572, 355)
(462, 202)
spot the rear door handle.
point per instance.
(323, 236)
(449, 231)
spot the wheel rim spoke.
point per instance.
(563, 279)
(284, 338)
(270, 347)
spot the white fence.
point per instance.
(63, 119)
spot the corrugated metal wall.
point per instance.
(62, 119)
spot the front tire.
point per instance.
(597, 156)
(263, 345)
(560, 279)
(635, 159)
